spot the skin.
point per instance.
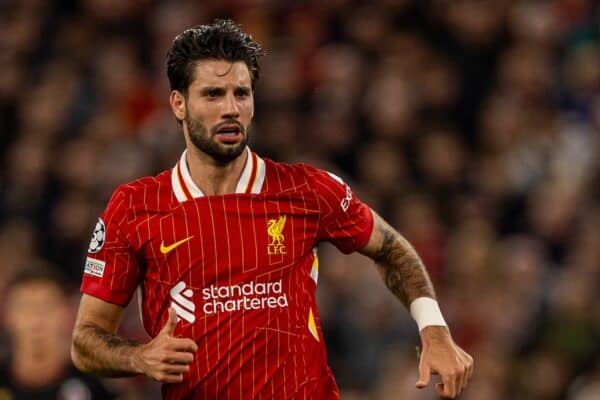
(97, 349)
(406, 277)
(221, 94)
(35, 315)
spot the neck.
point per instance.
(212, 177)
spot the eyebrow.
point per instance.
(244, 88)
(206, 89)
(220, 89)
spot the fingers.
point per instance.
(469, 368)
(179, 344)
(449, 384)
(470, 360)
(179, 358)
(465, 371)
(424, 374)
(172, 367)
(169, 327)
(455, 368)
(439, 388)
(463, 383)
(183, 344)
(456, 380)
(458, 376)
(176, 369)
(170, 378)
(167, 358)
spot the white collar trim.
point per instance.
(251, 181)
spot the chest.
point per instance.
(225, 237)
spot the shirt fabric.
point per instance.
(240, 270)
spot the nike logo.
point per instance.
(167, 249)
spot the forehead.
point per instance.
(221, 73)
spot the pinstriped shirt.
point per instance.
(240, 270)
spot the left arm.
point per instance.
(398, 263)
(406, 277)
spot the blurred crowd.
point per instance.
(473, 126)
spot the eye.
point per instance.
(213, 93)
(242, 93)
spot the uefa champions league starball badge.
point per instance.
(98, 237)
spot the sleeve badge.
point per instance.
(98, 237)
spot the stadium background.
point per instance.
(473, 126)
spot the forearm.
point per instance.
(94, 350)
(399, 265)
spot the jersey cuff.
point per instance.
(101, 292)
(363, 237)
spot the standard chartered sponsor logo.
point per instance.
(245, 296)
(182, 302)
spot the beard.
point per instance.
(202, 138)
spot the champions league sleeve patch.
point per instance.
(98, 237)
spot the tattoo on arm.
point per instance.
(103, 353)
(400, 266)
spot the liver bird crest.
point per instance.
(274, 229)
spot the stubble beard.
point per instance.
(202, 139)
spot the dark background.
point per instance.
(473, 126)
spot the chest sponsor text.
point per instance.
(245, 296)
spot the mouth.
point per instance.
(229, 133)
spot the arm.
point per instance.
(398, 263)
(97, 349)
(405, 275)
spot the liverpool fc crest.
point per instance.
(275, 229)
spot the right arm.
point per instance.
(97, 349)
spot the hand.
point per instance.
(166, 358)
(442, 356)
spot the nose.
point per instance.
(231, 109)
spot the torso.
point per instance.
(241, 272)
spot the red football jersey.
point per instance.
(239, 269)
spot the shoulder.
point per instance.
(146, 184)
(143, 192)
(284, 176)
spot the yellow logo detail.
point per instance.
(312, 326)
(275, 229)
(167, 249)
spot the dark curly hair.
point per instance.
(221, 40)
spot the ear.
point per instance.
(177, 101)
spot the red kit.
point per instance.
(239, 269)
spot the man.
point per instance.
(223, 247)
(37, 316)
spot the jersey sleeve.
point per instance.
(112, 270)
(345, 221)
